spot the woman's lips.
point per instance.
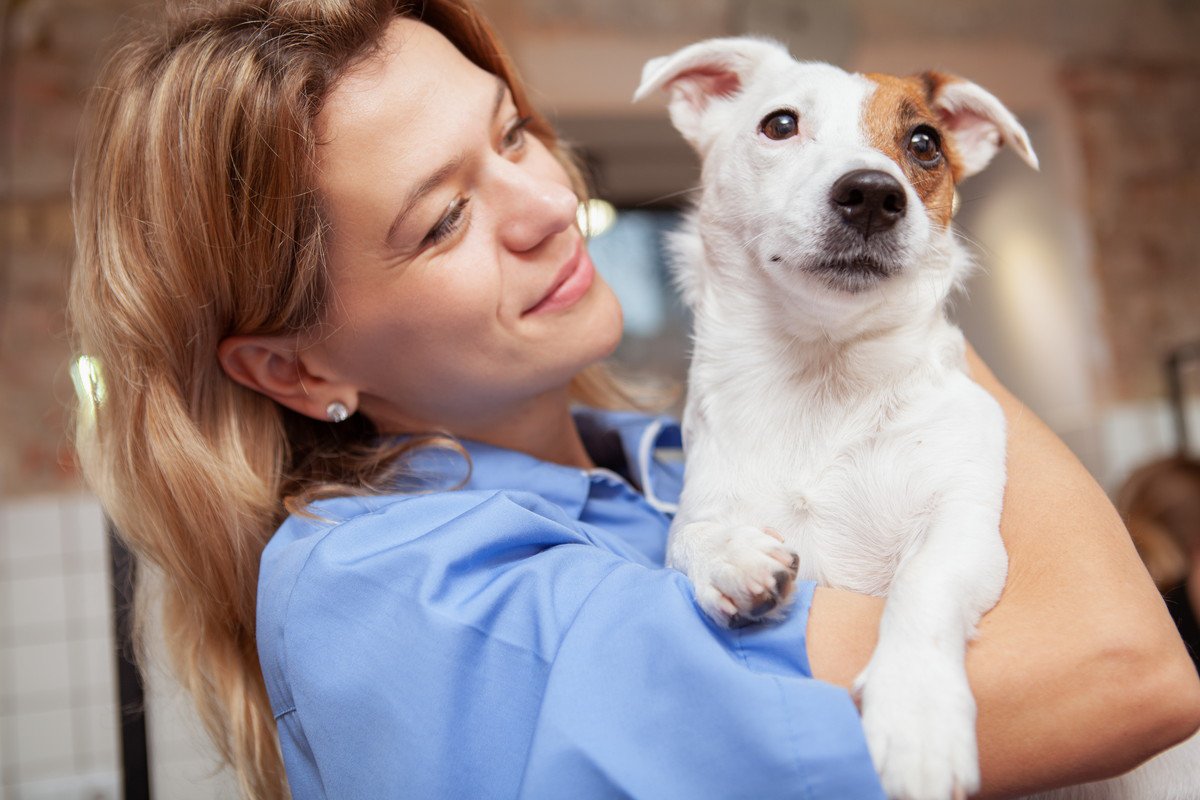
(571, 283)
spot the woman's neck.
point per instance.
(544, 429)
(541, 426)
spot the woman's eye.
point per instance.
(514, 136)
(779, 125)
(449, 222)
(925, 145)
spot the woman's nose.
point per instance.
(536, 208)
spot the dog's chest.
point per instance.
(854, 511)
(852, 495)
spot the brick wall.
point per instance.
(1138, 123)
(51, 50)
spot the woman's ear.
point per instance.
(273, 366)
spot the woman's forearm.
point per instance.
(1078, 671)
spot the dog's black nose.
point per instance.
(869, 200)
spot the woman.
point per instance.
(326, 251)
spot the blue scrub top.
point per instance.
(520, 637)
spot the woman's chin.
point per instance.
(615, 321)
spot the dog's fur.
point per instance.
(831, 430)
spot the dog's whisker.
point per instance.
(670, 195)
(975, 244)
(754, 239)
(753, 216)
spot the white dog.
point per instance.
(831, 430)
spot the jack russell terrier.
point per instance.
(832, 433)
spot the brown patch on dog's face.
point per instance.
(899, 122)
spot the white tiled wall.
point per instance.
(57, 690)
(58, 719)
(183, 764)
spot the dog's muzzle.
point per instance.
(857, 254)
(853, 274)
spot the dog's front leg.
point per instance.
(740, 571)
(918, 710)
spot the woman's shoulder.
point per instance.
(351, 530)
(370, 564)
(408, 542)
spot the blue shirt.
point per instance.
(519, 637)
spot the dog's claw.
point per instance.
(766, 602)
(783, 582)
(738, 621)
(764, 608)
(782, 588)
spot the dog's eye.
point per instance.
(779, 125)
(925, 145)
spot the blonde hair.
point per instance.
(196, 218)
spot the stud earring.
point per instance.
(337, 412)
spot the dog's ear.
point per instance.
(977, 121)
(702, 73)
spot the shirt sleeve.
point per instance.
(648, 698)
(493, 650)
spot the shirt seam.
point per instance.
(492, 494)
(784, 707)
(550, 671)
(806, 592)
(287, 607)
(801, 770)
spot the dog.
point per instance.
(831, 430)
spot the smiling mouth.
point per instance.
(573, 280)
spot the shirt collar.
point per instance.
(651, 446)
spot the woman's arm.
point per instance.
(1078, 672)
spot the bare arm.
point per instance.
(1078, 672)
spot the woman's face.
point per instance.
(460, 286)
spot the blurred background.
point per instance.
(1086, 301)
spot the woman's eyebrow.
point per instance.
(442, 173)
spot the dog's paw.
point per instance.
(741, 574)
(919, 720)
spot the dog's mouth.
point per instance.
(853, 274)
